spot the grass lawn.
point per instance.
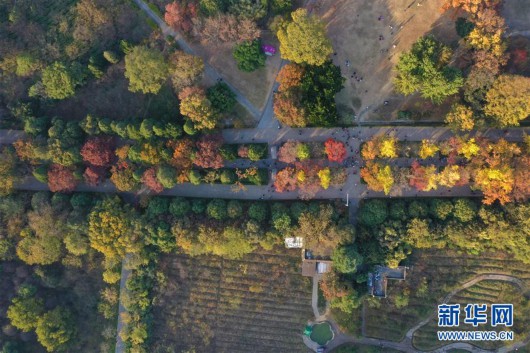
(321, 333)
(354, 29)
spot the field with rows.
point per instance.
(484, 292)
(258, 304)
(433, 275)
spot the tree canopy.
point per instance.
(303, 39)
(508, 100)
(425, 69)
(146, 69)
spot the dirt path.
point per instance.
(120, 346)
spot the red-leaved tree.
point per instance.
(285, 180)
(335, 150)
(98, 151)
(150, 180)
(180, 14)
(208, 155)
(94, 175)
(61, 179)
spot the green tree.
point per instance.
(26, 64)
(252, 9)
(222, 98)
(167, 176)
(258, 211)
(303, 39)
(55, 329)
(373, 212)
(441, 208)
(24, 312)
(179, 207)
(234, 209)
(464, 210)
(60, 81)
(346, 259)
(217, 209)
(249, 56)
(257, 151)
(39, 250)
(146, 70)
(425, 69)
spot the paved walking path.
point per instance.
(406, 344)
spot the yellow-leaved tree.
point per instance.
(325, 177)
(304, 40)
(428, 149)
(111, 229)
(508, 100)
(460, 118)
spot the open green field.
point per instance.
(433, 275)
(258, 304)
(321, 333)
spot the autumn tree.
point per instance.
(288, 110)
(208, 155)
(98, 151)
(423, 178)
(61, 179)
(425, 69)
(110, 228)
(8, 162)
(197, 107)
(146, 70)
(303, 39)
(150, 180)
(507, 100)
(290, 76)
(94, 175)
(378, 177)
(122, 175)
(226, 28)
(183, 152)
(460, 118)
(185, 69)
(287, 152)
(286, 180)
(335, 150)
(428, 149)
(179, 15)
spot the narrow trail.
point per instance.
(406, 344)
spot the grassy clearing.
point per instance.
(433, 275)
(260, 304)
(321, 333)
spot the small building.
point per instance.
(377, 281)
(268, 49)
(311, 268)
(294, 242)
